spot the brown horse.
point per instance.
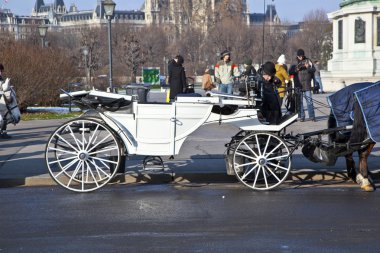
(355, 140)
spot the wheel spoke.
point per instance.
(250, 157)
(277, 157)
(91, 137)
(249, 172)
(266, 145)
(279, 180)
(82, 181)
(278, 166)
(62, 160)
(258, 144)
(74, 173)
(103, 150)
(71, 146)
(101, 159)
(61, 150)
(73, 135)
(273, 150)
(93, 176)
(245, 164)
(66, 167)
(265, 177)
(249, 148)
(257, 175)
(99, 142)
(100, 169)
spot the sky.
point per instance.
(288, 10)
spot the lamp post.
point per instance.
(42, 30)
(262, 53)
(109, 8)
(85, 52)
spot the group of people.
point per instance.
(276, 80)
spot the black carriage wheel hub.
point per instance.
(83, 156)
(262, 161)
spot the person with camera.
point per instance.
(305, 71)
(271, 108)
(249, 76)
(225, 71)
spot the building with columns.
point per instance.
(356, 43)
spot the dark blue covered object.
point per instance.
(342, 103)
(369, 101)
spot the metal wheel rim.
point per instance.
(83, 155)
(263, 166)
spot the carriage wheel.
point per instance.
(261, 161)
(83, 155)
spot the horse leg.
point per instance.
(362, 178)
(350, 166)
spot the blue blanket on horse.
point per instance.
(368, 99)
(342, 106)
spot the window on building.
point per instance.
(359, 30)
(340, 34)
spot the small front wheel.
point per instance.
(83, 155)
(261, 161)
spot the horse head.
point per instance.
(9, 109)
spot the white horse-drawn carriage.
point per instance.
(84, 154)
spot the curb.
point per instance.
(296, 177)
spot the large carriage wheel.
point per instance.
(261, 161)
(83, 155)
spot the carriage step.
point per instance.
(153, 163)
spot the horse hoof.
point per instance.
(368, 188)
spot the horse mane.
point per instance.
(359, 130)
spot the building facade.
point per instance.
(356, 42)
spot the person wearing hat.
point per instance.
(249, 73)
(177, 77)
(305, 71)
(225, 70)
(282, 74)
(271, 108)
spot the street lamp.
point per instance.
(109, 8)
(265, 15)
(85, 52)
(42, 30)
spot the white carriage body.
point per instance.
(159, 129)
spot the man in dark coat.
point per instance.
(271, 108)
(305, 71)
(177, 77)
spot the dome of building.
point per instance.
(345, 3)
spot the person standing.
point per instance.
(317, 75)
(207, 84)
(305, 70)
(225, 70)
(271, 108)
(3, 127)
(282, 74)
(177, 77)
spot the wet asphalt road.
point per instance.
(189, 218)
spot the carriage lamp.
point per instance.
(109, 9)
(42, 30)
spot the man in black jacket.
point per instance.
(271, 108)
(305, 71)
(177, 77)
